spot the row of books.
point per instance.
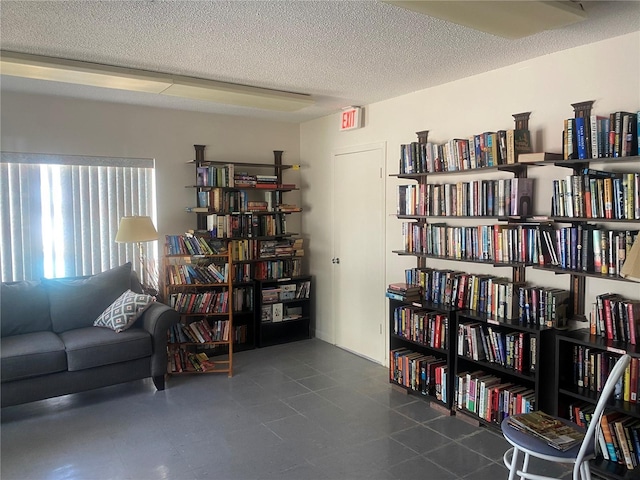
(513, 350)
(426, 374)
(485, 149)
(587, 248)
(543, 306)
(595, 194)
(498, 243)
(183, 361)
(240, 334)
(200, 332)
(616, 318)
(498, 297)
(242, 299)
(215, 175)
(205, 302)
(421, 326)
(242, 272)
(226, 176)
(216, 302)
(490, 398)
(601, 136)
(246, 249)
(267, 270)
(242, 225)
(591, 368)
(503, 197)
(621, 437)
(234, 201)
(191, 245)
(194, 273)
(618, 436)
(304, 289)
(277, 269)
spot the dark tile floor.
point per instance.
(304, 410)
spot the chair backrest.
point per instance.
(607, 390)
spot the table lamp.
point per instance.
(138, 229)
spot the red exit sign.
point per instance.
(350, 118)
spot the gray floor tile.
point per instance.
(343, 396)
(305, 438)
(307, 401)
(487, 443)
(452, 427)
(268, 412)
(297, 371)
(421, 439)
(317, 382)
(286, 390)
(420, 467)
(492, 471)
(458, 460)
(419, 411)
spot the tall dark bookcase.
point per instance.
(550, 353)
(457, 360)
(582, 357)
(242, 204)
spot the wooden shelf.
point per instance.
(180, 352)
(513, 168)
(580, 273)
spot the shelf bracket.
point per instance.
(521, 120)
(582, 109)
(422, 136)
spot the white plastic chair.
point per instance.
(578, 455)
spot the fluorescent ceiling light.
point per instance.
(242, 95)
(105, 76)
(508, 19)
(71, 71)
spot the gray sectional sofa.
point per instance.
(50, 346)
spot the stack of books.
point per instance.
(266, 181)
(556, 433)
(404, 292)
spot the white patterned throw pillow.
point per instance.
(124, 311)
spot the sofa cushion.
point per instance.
(30, 355)
(24, 308)
(92, 346)
(76, 303)
(124, 311)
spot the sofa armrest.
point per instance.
(157, 319)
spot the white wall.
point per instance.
(45, 124)
(607, 72)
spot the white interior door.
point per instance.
(358, 251)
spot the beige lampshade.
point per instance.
(631, 268)
(136, 229)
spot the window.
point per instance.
(60, 214)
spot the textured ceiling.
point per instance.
(340, 52)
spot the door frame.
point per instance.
(382, 147)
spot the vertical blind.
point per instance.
(60, 214)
